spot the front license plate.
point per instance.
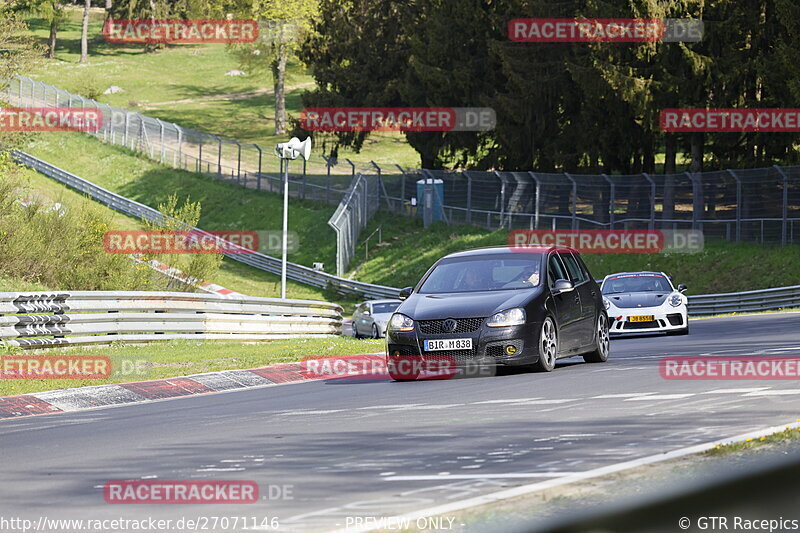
(447, 344)
(643, 318)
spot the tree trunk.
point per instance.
(279, 81)
(697, 153)
(85, 32)
(51, 42)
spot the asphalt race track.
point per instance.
(356, 448)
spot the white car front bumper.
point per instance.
(665, 319)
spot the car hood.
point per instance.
(628, 300)
(465, 304)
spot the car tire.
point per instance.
(602, 342)
(356, 334)
(375, 333)
(548, 347)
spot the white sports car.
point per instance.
(644, 302)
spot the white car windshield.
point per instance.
(636, 283)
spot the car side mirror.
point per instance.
(562, 285)
(405, 293)
(682, 288)
(367, 312)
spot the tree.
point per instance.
(282, 25)
(85, 32)
(52, 11)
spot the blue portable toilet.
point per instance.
(434, 203)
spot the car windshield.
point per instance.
(388, 307)
(636, 283)
(484, 273)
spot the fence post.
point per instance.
(180, 146)
(738, 204)
(239, 164)
(502, 198)
(402, 187)
(352, 168)
(574, 221)
(785, 207)
(538, 195)
(199, 163)
(219, 155)
(258, 178)
(612, 200)
(327, 179)
(127, 123)
(303, 190)
(469, 197)
(697, 194)
(652, 201)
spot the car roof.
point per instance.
(490, 250)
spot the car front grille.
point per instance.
(641, 325)
(463, 325)
(448, 356)
(403, 349)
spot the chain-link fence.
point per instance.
(360, 203)
(758, 205)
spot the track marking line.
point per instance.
(579, 476)
(734, 391)
(660, 397)
(773, 393)
(506, 401)
(622, 395)
(511, 475)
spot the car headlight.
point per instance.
(675, 300)
(509, 317)
(400, 322)
(606, 303)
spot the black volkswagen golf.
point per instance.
(499, 306)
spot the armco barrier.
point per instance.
(748, 301)
(257, 260)
(36, 319)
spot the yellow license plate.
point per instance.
(643, 318)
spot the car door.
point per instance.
(567, 306)
(587, 292)
(358, 318)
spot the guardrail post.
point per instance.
(785, 207)
(574, 222)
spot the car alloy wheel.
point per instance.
(602, 342)
(548, 346)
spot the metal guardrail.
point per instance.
(35, 319)
(300, 273)
(748, 301)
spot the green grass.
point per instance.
(186, 84)
(182, 358)
(788, 434)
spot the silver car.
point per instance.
(370, 318)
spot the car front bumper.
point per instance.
(511, 345)
(664, 320)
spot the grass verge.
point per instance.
(182, 358)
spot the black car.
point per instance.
(500, 306)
